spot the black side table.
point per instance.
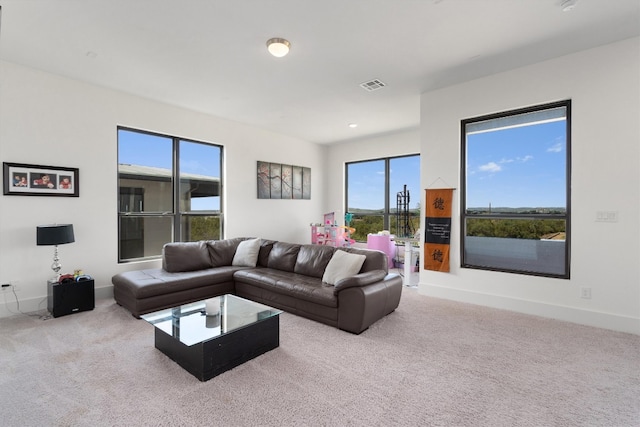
(68, 298)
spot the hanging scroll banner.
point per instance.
(437, 236)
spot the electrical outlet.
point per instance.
(585, 293)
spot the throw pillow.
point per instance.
(247, 253)
(341, 265)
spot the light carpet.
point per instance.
(430, 363)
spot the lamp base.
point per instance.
(56, 266)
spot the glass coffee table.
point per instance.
(210, 337)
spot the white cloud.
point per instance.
(490, 167)
(556, 148)
(517, 159)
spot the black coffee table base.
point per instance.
(210, 358)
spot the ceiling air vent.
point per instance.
(372, 85)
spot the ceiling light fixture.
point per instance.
(568, 5)
(278, 47)
(353, 125)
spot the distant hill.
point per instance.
(357, 211)
(521, 210)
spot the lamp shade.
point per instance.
(56, 234)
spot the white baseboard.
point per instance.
(569, 314)
(9, 306)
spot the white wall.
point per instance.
(45, 119)
(604, 86)
(389, 145)
(50, 120)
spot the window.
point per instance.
(515, 202)
(383, 194)
(169, 191)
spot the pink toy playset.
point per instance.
(331, 234)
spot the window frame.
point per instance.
(387, 210)
(464, 215)
(177, 214)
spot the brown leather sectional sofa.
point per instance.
(287, 276)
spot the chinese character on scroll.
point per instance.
(437, 236)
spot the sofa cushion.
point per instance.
(341, 265)
(283, 256)
(376, 260)
(313, 259)
(222, 251)
(247, 253)
(185, 256)
(285, 283)
(265, 250)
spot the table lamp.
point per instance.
(54, 235)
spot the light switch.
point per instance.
(607, 216)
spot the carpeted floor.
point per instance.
(430, 363)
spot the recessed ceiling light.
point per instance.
(278, 47)
(353, 125)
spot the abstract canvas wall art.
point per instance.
(278, 181)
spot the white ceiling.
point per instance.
(210, 55)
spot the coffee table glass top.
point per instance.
(204, 320)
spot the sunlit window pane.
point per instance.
(145, 169)
(516, 188)
(142, 237)
(530, 245)
(195, 228)
(404, 195)
(366, 224)
(199, 177)
(150, 184)
(366, 186)
(384, 194)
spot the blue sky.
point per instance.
(518, 167)
(515, 167)
(151, 150)
(366, 182)
(367, 191)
